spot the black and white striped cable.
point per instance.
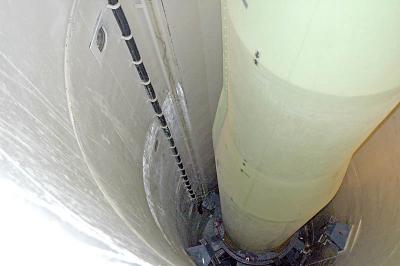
(120, 17)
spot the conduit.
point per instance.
(305, 83)
(120, 17)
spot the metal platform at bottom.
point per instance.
(319, 242)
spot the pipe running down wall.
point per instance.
(137, 61)
(305, 83)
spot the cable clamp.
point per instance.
(175, 156)
(127, 38)
(165, 127)
(136, 63)
(153, 100)
(179, 161)
(159, 115)
(115, 6)
(173, 147)
(145, 83)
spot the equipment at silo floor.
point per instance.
(321, 240)
(305, 83)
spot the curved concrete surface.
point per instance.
(306, 83)
(369, 198)
(79, 139)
